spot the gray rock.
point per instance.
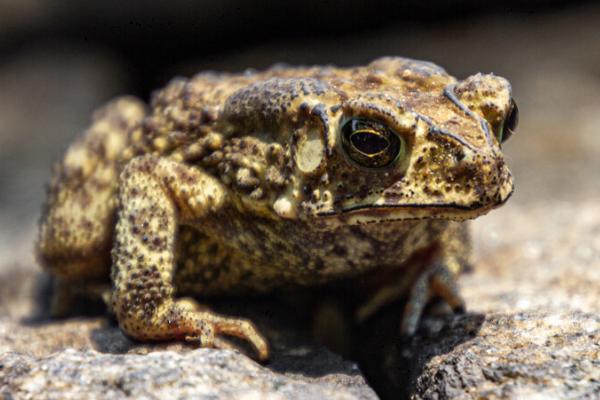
(202, 373)
(90, 358)
(523, 355)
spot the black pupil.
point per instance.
(369, 143)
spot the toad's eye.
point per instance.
(370, 143)
(509, 125)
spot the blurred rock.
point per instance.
(537, 255)
(19, 16)
(48, 94)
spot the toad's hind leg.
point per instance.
(156, 196)
(77, 224)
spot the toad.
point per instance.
(288, 177)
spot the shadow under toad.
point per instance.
(392, 365)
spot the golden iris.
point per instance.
(371, 143)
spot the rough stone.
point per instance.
(91, 358)
(72, 374)
(521, 355)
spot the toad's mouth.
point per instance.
(378, 213)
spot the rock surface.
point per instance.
(89, 358)
(73, 374)
(522, 355)
(536, 355)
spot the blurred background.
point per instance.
(59, 60)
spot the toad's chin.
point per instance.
(361, 214)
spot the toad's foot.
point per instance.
(436, 281)
(184, 319)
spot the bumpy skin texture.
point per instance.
(232, 184)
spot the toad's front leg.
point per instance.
(419, 283)
(157, 195)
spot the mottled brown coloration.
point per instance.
(231, 184)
